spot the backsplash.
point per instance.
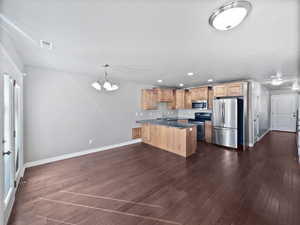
(189, 113)
(162, 111)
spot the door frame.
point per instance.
(9, 199)
(6, 208)
(271, 111)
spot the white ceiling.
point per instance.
(146, 40)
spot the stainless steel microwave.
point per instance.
(199, 105)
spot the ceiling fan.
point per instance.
(277, 79)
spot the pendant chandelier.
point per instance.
(105, 84)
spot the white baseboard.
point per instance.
(76, 154)
(264, 134)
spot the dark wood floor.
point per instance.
(142, 185)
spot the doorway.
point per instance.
(11, 141)
(284, 112)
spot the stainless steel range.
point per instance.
(200, 118)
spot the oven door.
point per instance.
(200, 132)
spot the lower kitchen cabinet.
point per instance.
(208, 131)
(181, 141)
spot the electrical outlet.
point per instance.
(90, 141)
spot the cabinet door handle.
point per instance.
(6, 153)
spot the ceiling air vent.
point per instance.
(46, 44)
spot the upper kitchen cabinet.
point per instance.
(200, 93)
(172, 104)
(149, 99)
(235, 89)
(164, 94)
(183, 99)
(188, 99)
(228, 89)
(210, 98)
(220, 90)
(180, 99)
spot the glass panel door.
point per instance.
(8, 150)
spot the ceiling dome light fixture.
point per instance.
(230, 15)
(105, 84)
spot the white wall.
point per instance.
(63, 112)
(11, 64)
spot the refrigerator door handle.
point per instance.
(223, 112)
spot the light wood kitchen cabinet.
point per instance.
(149, 99)
(146, 133)
(228, 90)
(136, 132)
(164, 94)
(172, 104)
(200, 93)
(208, 131)
(183, 99)
(220, 90)
(182, 142)
(235, 89)
(210, 98)
(187, 99)
(180, 97)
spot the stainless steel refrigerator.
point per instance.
(225, 122)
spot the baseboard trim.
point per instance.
(264, 134)
(76, 154)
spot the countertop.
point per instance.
(170, 122)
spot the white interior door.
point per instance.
(8, 153)
(283, 112)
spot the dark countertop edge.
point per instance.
(167, 124)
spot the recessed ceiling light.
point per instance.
(230, 15)
(159, 81)
(46, 44)
(181, 85)
(190, 74)
(210, 80)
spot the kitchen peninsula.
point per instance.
(173, 136)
